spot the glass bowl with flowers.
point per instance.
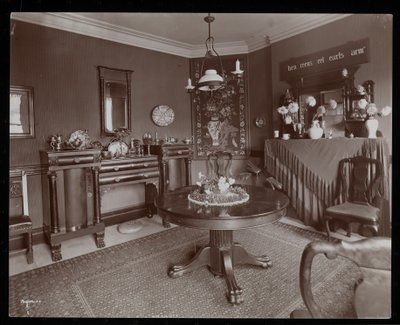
(217, 191)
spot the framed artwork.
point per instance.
(220, 118)
(21, 112)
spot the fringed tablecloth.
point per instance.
(308, 170)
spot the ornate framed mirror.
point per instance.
(332, 90)
(115, 99)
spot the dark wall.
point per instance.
(378, 28)
(260, 96)
(62, 68)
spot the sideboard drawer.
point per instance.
(123, 178)
(75, 160)
(130, 166)
(177, 152)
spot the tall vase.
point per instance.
(315, 131)
(372, 126)
(213, 127)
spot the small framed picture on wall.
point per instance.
(21, 112)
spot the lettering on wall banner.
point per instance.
(348, 54)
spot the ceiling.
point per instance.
(184, 34)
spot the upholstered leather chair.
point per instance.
(219, 163)
(372, 294)
(358, 189)
(19, 220)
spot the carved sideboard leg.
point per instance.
(56, 252)
(29, 253)
(165, 223)
(149, 212)
(99, 237)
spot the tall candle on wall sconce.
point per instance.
(237, 65)
(189, 82)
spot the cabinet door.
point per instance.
(176, 174)
(78, 198)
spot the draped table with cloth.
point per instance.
(308, 171)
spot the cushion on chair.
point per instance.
(359, 211)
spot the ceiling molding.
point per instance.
(302, 25)
(94, 28)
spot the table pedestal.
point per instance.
(220, 255)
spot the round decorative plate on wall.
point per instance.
(163, 115)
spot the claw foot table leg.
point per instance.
(234, 291)
(241, 256)
(201, 258)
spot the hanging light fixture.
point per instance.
(211, 80)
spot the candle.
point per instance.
(189, 82)
(237, 65)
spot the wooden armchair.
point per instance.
(372, 296)
(358, 187)
(19, 221)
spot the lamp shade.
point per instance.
(211, 80)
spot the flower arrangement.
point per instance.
(372, 110)
(217, 191)
(321, 111)
(311, 101)
(210, 184)
(288, 109)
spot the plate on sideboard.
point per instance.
(118, 149)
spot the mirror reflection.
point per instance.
(115, 99)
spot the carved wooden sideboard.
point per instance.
(71, 198)
(74, 187)
(130, 171)
(175, 166)
(175, 161)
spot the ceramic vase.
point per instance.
(315, 131)
(213, 127)
(372, 126)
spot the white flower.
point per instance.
(362, 103)
(293, 107)
(310, 101)
(360, 89)
(208, 192)
(198, 184)
(288, 119)
(386, 111)
(371, 109)
(332, 103)
(282, 110)
(231, 181)
(201, 174)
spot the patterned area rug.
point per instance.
(130, 280)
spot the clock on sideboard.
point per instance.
(163, 115)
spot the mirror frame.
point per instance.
(120, 75)
(329, 80)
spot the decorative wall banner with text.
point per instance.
(351, 53)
